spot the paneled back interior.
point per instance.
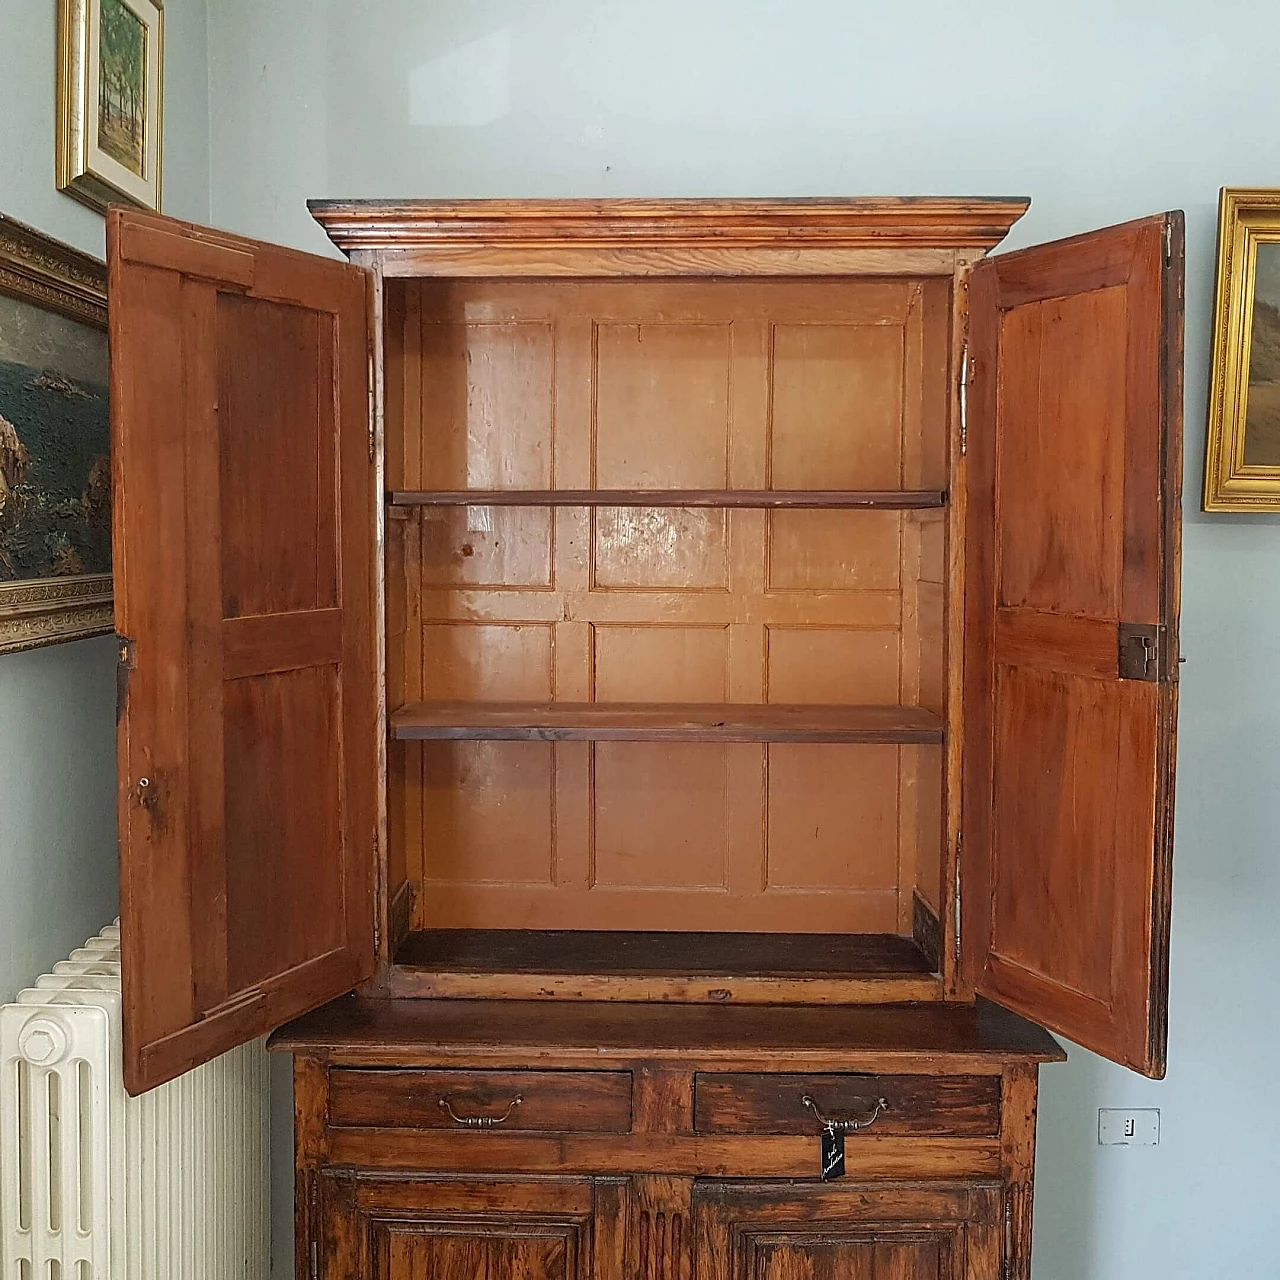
(781, 384)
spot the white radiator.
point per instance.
(95, 1185)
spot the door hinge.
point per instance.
(959, 851)
(1139, 651)
(1168, 240)
(377, 915)
(966, 377)
(372, 406)
(124, 670)
(315, 1260)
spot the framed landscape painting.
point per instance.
(55, 442)
(1242, 462)
(110, 100)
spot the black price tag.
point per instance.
(832, 1154)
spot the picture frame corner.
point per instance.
(1242, 336)
(51, 276)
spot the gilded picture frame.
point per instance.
(1242, 458)
(53, 362)
(110, 110)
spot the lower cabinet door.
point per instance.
(839, 1231)
(470, 1228)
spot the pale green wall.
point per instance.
(58, 867)
(1100, 111)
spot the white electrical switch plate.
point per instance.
(1118, 1128)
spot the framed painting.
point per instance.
(110, 100)
(1242, 462)
(55, 442)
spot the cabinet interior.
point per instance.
(679, 731)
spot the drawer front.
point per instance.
(959, 1106)
(501, 1101)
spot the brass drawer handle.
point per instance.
(481, 1122)
(845, 1126)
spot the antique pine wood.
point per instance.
(669, 238)
(569, 239)
(663, 669)
(817, 499)
(581, 951)
(975, 1038)
(858, 1232)
(463, 1228)
(760, 1103)
(635, 964)
(632, 387)
(244, 595)
(674, 722)
(1074, 517)
(548, 1101)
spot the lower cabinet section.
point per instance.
(654, 1227)
(468, 1140)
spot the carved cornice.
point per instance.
(855, 223)
(53, 275)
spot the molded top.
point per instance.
(879, 222)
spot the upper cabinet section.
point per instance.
(866, 236)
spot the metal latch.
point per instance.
(124, 669)
(1139, 651)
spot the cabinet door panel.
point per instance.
(407, 1252)
(852, 1258)
(471, 1228)
(791, 1231)
(243, 539)
(1071, 635)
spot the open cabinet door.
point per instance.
(243, 540)
(1070, 687)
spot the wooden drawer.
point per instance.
(549, 1101)
(962, 1106)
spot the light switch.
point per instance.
(1118, 1128)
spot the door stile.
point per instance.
(205, 823)
(391, 914)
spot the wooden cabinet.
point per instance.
(650, 617)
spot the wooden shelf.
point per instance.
(574, 951)
(834, 499)
(673, 722)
